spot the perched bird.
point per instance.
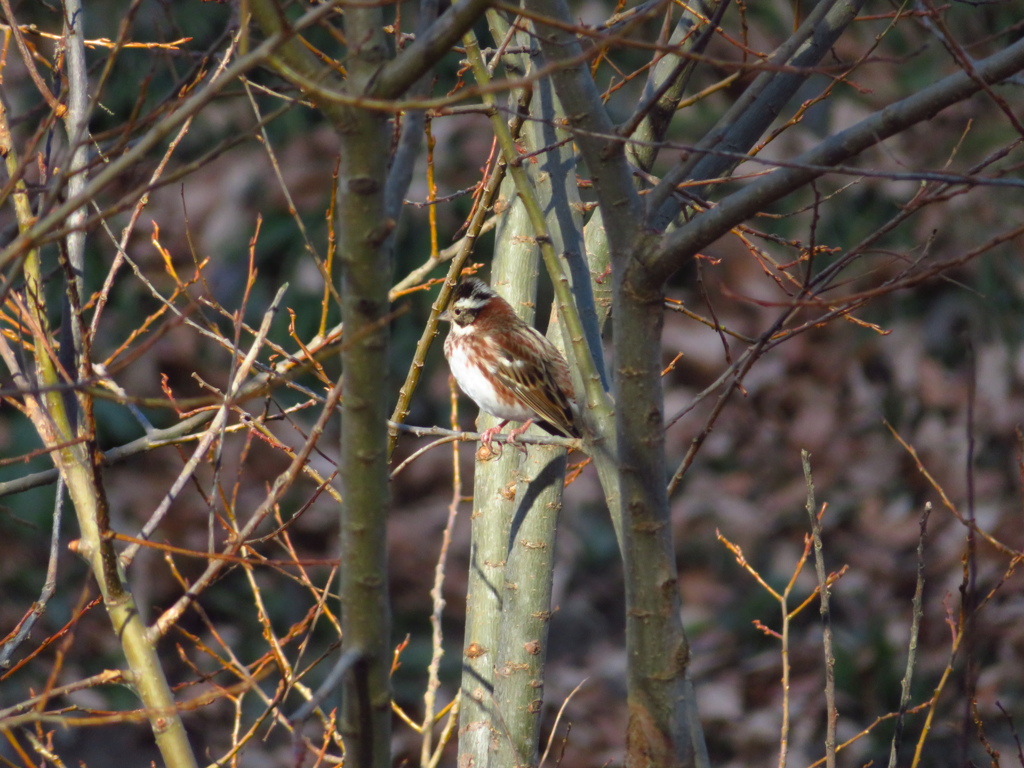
(507, 367)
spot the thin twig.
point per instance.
(826, 616)
(212, 432)
(49, 585)
(915, 628)
(284, 481)
(526, 439)
(437, 598)
(558, 717)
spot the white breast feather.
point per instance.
(472, 381)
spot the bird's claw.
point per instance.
(514, 433)
(487, 447)
(486, 450)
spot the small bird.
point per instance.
(505, 366)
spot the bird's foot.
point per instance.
(486, 450)
(514, 433)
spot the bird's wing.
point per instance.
(534, 375)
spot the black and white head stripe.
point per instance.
(472, 294)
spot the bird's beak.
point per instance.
(445, 317)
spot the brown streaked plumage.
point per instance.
(506, 366)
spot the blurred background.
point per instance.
(939, 364)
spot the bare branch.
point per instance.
(708, 226)
(751, 114)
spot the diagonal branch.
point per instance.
(603, 151)
(757, 108)
(668, 81)
(115, 170)
(398, 75)
(707, 227)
